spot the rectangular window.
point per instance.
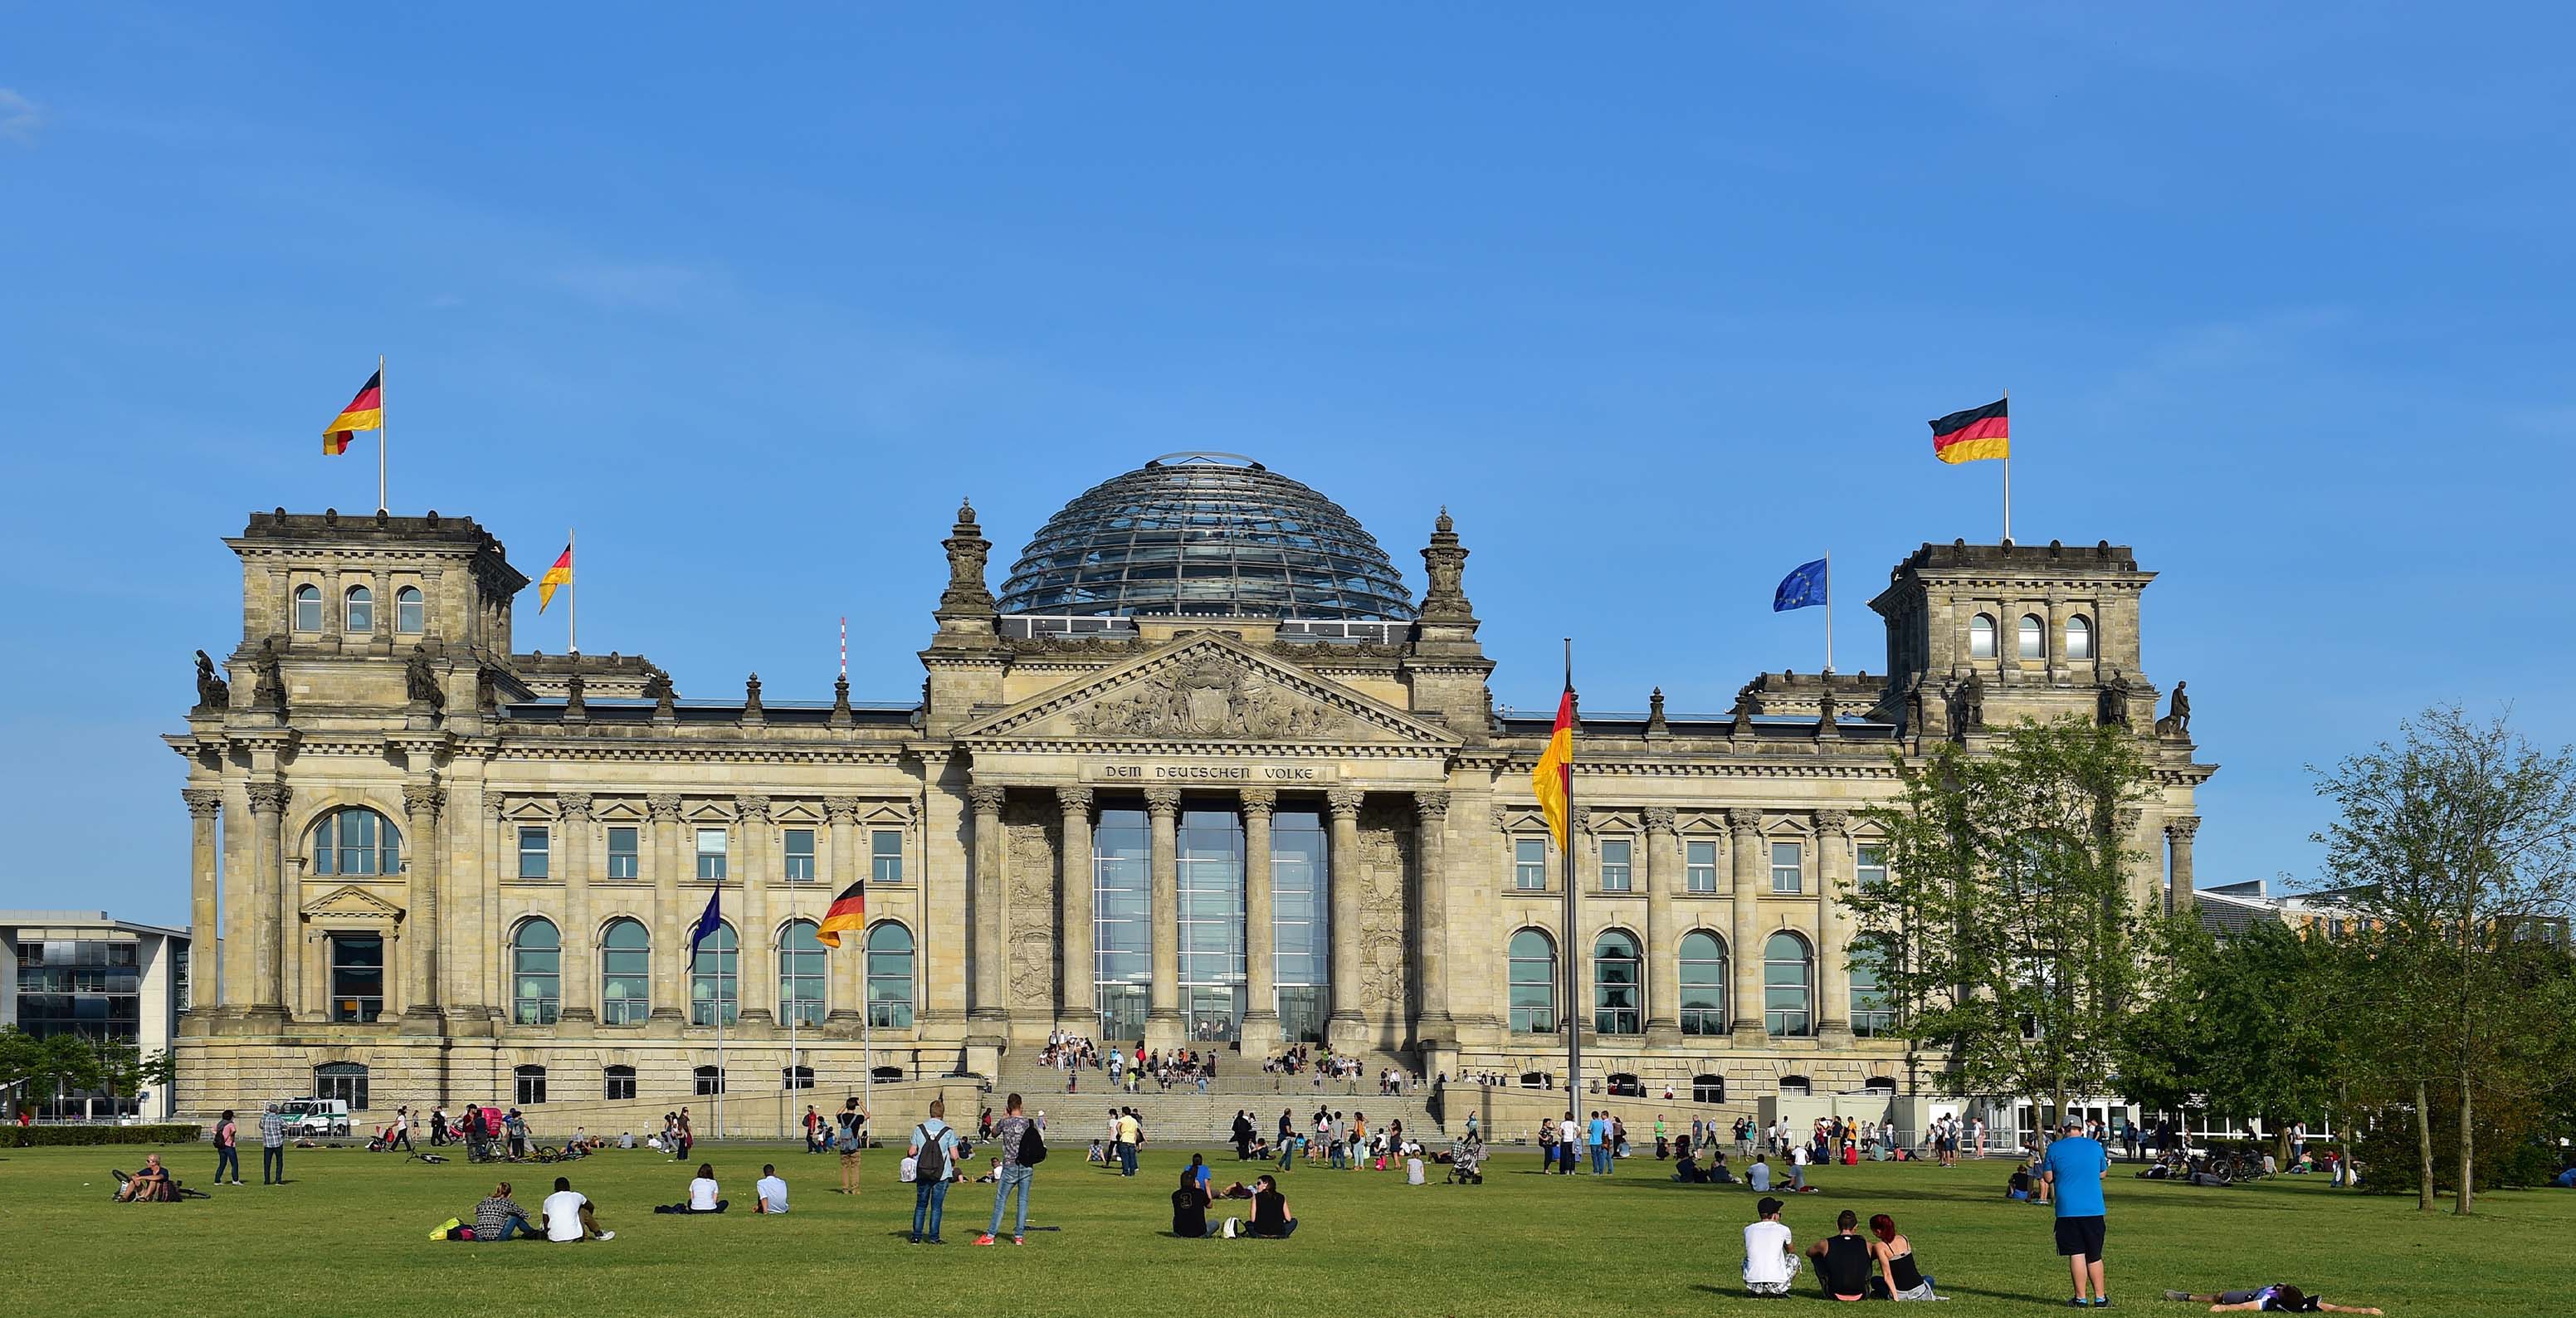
(1699, 865)
(711, 853)
(1870, 864)
(1529, 864)
(1615, 853)
(1788, 867)
(532, 853)
(885, 856)
(357, 977)
(800, 855)
(623, 860)
(621, 1083)
(531, 1086)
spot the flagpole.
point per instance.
(722, 1079)
(1565, 856)
(2008, 474)
(1829, 613)
(382, 442)
(572, 600)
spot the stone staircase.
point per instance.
(1184, 1116)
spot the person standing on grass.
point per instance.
(1131, 1132)
(227, 1149)
(401, 1138)
(852, 1139)
(2073, 1172)
(1012, 1132)
(934, 1155)
(272, 1147)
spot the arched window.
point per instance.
(796, 1077)
(711, 978)
(886, 1072)
(625, 975)
(530, 1082)
(1794, 1086)
(2034, 637)
(1617, 995)
(709, 1081)
(1624, 1084)
(890, 976)
(361, 615)
(1534, 1080)
(1708, 1089)
(346, 1081)
(1786, 989)
(407, 609)
(617, 1082)
(800, 974)
(1870, 1015)
(1981, 637)
(2079, 637)
(1703, 984)
(356, 842)
(1533, 983)
(536, 973)
(1879, 1084)
(308, 608)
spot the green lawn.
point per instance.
(349, 1235)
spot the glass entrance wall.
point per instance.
(1300, 946)
(1211, 924)
(1122, 940)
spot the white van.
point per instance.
(315, 1118)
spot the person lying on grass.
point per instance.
(2266, 1299)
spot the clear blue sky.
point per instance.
(1658, 306)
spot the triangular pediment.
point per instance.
(1206, 688)
(349, 902)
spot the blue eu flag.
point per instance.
(707, 923)
(1804, 588)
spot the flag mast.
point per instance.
(382, 443)
(572, 600)
(1829, 613)
(2007, 476)
(1565, 858)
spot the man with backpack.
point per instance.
(850, 1139)
(934, 1165)
(1022, 1149)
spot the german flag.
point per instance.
(364, 412)
(849, 911)
(558, 575)
(1979, 432)
(1553, 779)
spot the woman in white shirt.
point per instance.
(702, 1194)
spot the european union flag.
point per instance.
(707, 923)
(1804, 588)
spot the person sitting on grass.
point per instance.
(1757, 1177)
(1271, 1216)
(1189, 1207)
(150, 1185)
(1842, 1260)
(771, 1189)
(499, 1217)
(2018, 1186)
(1899, 1276)
(566, 1215)
(1686, 1167)
(1770, 1253)
(2266, 1299)
(702, 1194)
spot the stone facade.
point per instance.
(501, 801)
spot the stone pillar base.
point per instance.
(577, 1023)
(1081, 1027)
(1750, 1036)
(1833, 1034)
(1165, 1030)
(755, 1023)
(984, 1058)
(1349, 1033)
(1663, 1034)
(423, 1020)
(664, 1023)
(1260, 1034)
(469, 1022)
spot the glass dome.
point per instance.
(1205, 533)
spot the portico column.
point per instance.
(275, 927)
(1075, 1009)
(1344, 1028)
(1163, 1025)
(205, 807)
(2179, 832)
(422, 803)
(1833, 927)
(1431, 915)
(1663, 943)
(755, 983)
(1260, 925)
(985, 923)
(847, 964)
(670, 922)
(1744, 959)
(580, 956)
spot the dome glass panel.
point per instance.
(1205, 534)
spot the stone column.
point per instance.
(1260, 926)
(241, 894)
(1164, 1027)
(274, 927)
(1744, 959)
(423, 800)
(1075, 1007)
(1343, 1027)
(481, 996)
(579, 934)
(1431, 917)
(755, 987)
(670, 916)
(2179, 832)
(986, 921)
(1663, 941)
(205, 807)
(1833, 928)
(848, 983)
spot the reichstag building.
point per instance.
(1207, 773)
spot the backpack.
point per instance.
(931, 1164)
(849, 1141)
(1033, 1149)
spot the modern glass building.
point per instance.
(113, 982)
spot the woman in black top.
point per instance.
(1900, 1276)
(1843, 1260)
(1271, 1215)
(1189, 1207)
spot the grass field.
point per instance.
(348, 1235)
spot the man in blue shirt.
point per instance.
(1597, 1137)
(2073, 1172)
(934, 1155)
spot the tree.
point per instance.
(2248, 1026)
(65, 1061)
(2006, 931)
(123, 1069)
(21, 1056)
(2452, 844)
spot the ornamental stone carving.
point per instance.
(214, 694)
(967, 548)
(1032, 835)
(1163, 802)
(1660, 819)
(573, 806)
(1344, 802)
(985, 798)
(1209, 698)
(841, 809)
(1431, 808)
(1744, 821)
(2182, 828)
(1444, 565)
(1579, 819)
(751, 809)
(1259, 802)
(1073, 801)
(269, 798)
(496, 803)
(268, 689)
(423, 801)
(1834, 823)
(1386, 855)
(664, 807)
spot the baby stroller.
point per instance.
(1466, 1163)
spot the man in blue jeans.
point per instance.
(1596, 1141)
(272, 1146)
(2073, 1172)
(934, 1155)
(1009, 1133)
